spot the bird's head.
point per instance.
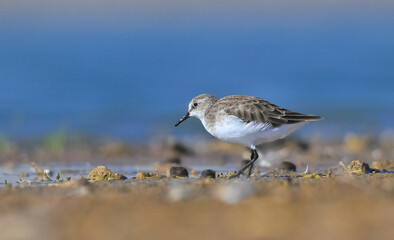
(198, 106)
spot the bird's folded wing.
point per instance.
(254, 109)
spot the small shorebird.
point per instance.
(247, 120)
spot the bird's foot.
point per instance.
(241, 171)
(236, 175)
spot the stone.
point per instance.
(356, 166)
(178, 172)
(147, 175)
(227, 175)
(208, 173)
(287, 166)
(313, 175)
(102, 173)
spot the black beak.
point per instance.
(187, 115)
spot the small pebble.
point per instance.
(208, 174)
(356, 166)
(287, 166)
(101, 173)
(178, 172)
(146, 175)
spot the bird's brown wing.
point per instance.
(254, 109)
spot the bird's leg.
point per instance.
(245, 162)
(254, 156)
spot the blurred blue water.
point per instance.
(136, 81)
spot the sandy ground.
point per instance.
(271, 207)
(332, 201)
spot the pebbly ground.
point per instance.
(337, 198)
(278, 205)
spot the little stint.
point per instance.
(247, 120)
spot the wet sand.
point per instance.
(336, 199)
(280, 207)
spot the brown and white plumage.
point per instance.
(255, 109)
(245, 119)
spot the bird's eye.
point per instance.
(195, 104)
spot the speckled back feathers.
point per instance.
(254, 109)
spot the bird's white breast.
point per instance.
(230, 128)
